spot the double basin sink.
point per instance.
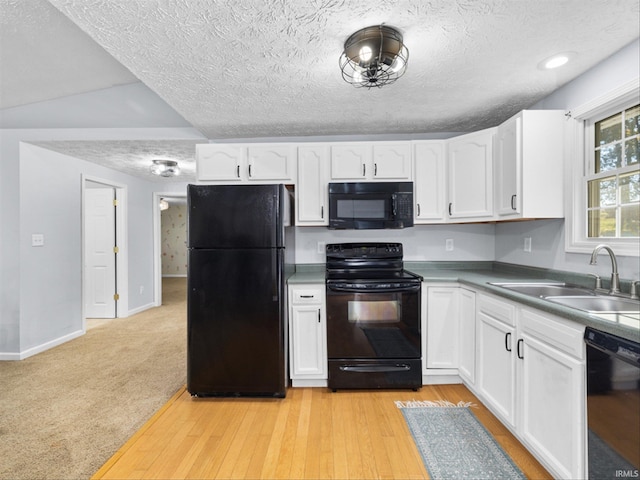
(577, 297)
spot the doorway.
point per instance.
(104, 270)
(173, 199)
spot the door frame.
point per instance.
(122, 264)
(157, 242)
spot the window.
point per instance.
(613, 181)
(603, 174)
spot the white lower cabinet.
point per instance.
(441, 346)
(448, 341)
(553, 392)
(496, 379)
(467, 335)
(307, 335)
(531, 375)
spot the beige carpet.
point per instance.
(66, 411)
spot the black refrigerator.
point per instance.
(236, 301)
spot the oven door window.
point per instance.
(375, 312)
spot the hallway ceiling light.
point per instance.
(164, 205)
(373, 57)
(165, 168)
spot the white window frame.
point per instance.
(576, 239)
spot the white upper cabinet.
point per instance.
(470, 172)
(528, 165)
(430, 181)
(311, 190)
(392, 161)
(370, 161)
(220, 162)
(349, 161)
(260, 163)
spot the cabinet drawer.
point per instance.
(305, 296)
(503, 311)
(555, 331)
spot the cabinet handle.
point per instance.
(507, 341)
(450, 205)
(520, 355)
(238, 171)
(318, 315)
(306, 296)
(364, 170)
(513, 202)
(322, 211)
(375, 169)
(249, 170)
(418, 205)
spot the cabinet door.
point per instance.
(350, 161)
(471, 175)
(552, 392)
(508, 163)
(442, 327)
(308, 351)
(467, 337)
(392, 161)
(496, 366)
(311, 190)
(220, 162)
(429, 181)
(271, 162)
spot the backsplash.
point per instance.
(174, 240)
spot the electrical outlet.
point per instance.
(141, 289)
(448, 246)
(321, 247)
(527, 244)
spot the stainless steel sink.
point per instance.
(544, 290)
(599, 304)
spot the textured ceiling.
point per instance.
(132, 156)
(269, 68)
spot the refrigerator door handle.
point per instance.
(277, 277)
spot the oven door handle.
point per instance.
(385, 289)
(400, 367)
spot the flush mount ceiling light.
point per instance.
(165, 168)
(373, 57)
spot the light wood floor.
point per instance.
(313, 433)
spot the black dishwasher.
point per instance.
(613, 405)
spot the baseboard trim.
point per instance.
(41, 348)
(141, 309)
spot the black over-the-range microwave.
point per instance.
(370, 205)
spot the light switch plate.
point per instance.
(37, 240)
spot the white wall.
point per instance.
(420, 243)
(40, 190)
(548, 235)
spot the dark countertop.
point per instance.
(479, 275)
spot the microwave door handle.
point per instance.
(394, 200)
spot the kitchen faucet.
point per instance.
(615, 278)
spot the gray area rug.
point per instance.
(454, 444)
(66, 411)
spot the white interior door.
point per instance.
(100, 253)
